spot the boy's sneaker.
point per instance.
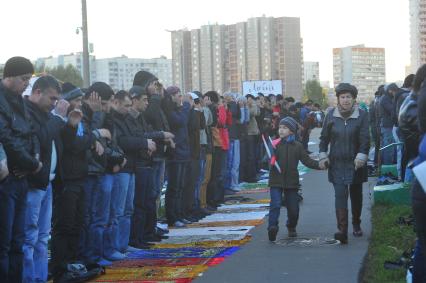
(272, 233)
(292, 232)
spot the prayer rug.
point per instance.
(253, 222)
(191, 252)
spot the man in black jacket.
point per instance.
(68, 206)
(96, 107)
(22, 151)
(122, 207)
(44, 96)
(155, 116)
(144, 220)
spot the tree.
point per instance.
(66, 74)
(313, 91)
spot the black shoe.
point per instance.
(343, 238)
(155, 238)
(143, 246)
(160, 232)
(292, 232)
(272, 233)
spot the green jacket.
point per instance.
(288, 156)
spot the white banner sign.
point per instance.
(265, 87)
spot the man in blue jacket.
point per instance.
(387, 112)
(178, 117)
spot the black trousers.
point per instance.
(419, 210)
(68, 211)
(143, 183)
(176, 173)
(215, 187)
(189, 191)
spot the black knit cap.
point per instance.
(104, 91)
(143, 79)
(71, 92)
(346, 88)
(17, 66)
(290, 123)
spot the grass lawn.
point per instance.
(388, 241)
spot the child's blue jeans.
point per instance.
(291, 202)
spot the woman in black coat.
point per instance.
(346, 131)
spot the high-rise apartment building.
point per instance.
(311, 71)
(222, 56)
(361, 66)
(417, 33)
(181, 59)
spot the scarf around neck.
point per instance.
(346, 113)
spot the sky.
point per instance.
(137, 28)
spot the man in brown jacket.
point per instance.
(288, 153)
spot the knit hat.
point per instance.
(172, 90)
(346, 88)
(71, 92)
(290, 123)
(104, 91)
(17, 66)
(143, 79)
(137, 91)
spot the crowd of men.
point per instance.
(398, 127)
(86, 166)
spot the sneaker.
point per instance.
(292, 232)
(179, 224)
(272, 233)
(116, 256)
(104, 262)
(185, 221)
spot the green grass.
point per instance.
(388, 241)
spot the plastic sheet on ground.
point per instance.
(230, 230)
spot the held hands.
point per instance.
(324, 162)
(359, 163)
(151, 146)
(4, 171)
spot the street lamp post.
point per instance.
(86, 66)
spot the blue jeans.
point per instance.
(233, 165)
(291, 202)
(200, 179)
(388, 155)
(13, 193)
(38, 218)
(91, 185)
(399, 149)
(121, 210)
(97, 213)
(159, 168)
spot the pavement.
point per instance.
(309, 258)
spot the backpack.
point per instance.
(407, 119)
